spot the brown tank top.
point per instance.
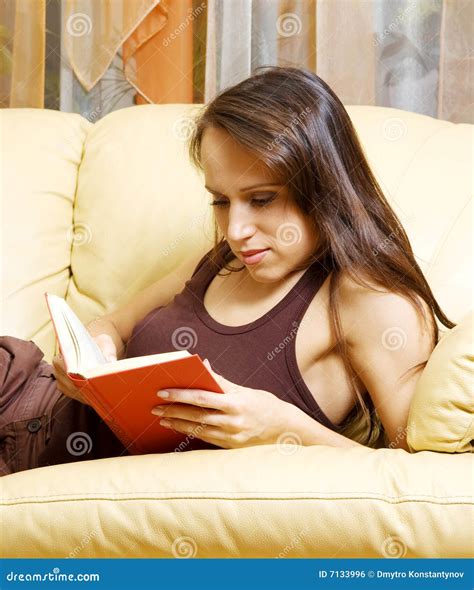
(259, 355)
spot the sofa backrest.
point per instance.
(95, 213)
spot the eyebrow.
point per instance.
(246, 188)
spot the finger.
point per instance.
(60, 372)
(222, 381)
(196, 415)
(224, 444)
(58, 361)
(199, 397)
(211, 370)
(198, 430)
(107, 346)
(65, 385)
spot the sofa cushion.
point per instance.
(441, 412)
(140, 204)
(41, 152)
(424, 166)
(266, 501)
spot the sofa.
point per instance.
(95, 212)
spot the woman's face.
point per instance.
(254, 210)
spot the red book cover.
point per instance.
(125, 397)
(124, 401)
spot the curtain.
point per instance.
(455, 100)
(22, 54)
(93, 31)
(414, 55)
(158, 61)
(101, 55)
(270, 32)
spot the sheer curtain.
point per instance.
(102, 55)
(414, 55)
(92, 72)
(22, 63)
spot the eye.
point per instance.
(263, 202)
(256, 202)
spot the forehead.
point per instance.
(226, 160)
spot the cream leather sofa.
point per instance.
(96, 212)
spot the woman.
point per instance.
(321, 322)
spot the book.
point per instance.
(123, 392)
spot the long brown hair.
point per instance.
(298, 127)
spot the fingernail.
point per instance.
(163, 394)
(165, 423)
(158, 411)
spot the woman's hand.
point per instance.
(240, 417)
(64, 384)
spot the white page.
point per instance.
(89, 354)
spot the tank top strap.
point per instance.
(289, 309)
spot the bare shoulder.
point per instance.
(368, 308)
(388, 342)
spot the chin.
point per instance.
(269, 274)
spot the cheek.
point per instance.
(293, 232)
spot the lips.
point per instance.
(252, 252)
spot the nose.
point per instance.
(240, 224)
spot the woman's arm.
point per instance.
(119, 324)
(112, 331)
(310, 432)
(107, 337)
(385, 337)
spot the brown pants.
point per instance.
(40, 426)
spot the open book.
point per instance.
(123, 392)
